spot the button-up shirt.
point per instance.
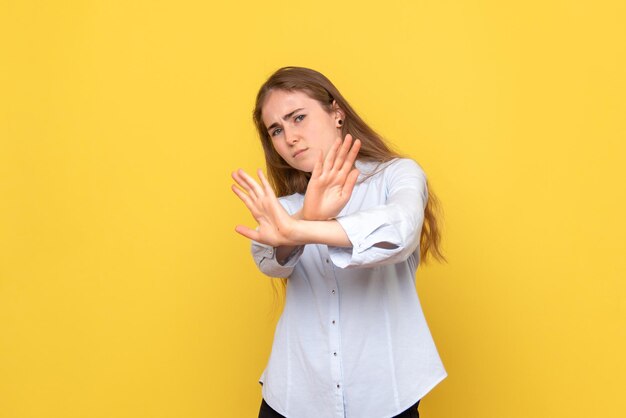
(352, 341)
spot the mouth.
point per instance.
(299, 152)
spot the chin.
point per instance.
(302, 167)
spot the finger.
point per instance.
(274, 204)
(343, 151)
(266, 184)
(242, 183)
(349, 184)
(245, 183)
(252, 234)
(352, 155)
(330, 157)
(257, 190)
(252, 183)
(246, 201)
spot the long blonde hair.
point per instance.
(287, 180)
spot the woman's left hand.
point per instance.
(276, 227)
(332, 181)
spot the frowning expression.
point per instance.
(300, 128)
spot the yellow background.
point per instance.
(124, 290)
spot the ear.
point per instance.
(339, 113)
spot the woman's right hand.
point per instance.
(332, 181)
(276, 227)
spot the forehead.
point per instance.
(281, 102)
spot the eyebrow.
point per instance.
(287, 116)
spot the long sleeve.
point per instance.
(265, 255)
(397, 222)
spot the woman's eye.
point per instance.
(276, 131)
(299, 118)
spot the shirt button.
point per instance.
(335, 353)
(333, 321)
(338, 385)
(333, 291)
(327, 260)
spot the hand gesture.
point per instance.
(275, 224)
(332, 181)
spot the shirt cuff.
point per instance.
(265, 257)
(364, 235)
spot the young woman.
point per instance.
(351, 223)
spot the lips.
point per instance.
(295, 154)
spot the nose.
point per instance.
(291, 136)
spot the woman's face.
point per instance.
(300, 128)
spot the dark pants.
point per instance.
(267, 412)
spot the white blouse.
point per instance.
(352, 341)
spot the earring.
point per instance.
(340, 122)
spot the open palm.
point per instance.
(275, 225)
(332, 181)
